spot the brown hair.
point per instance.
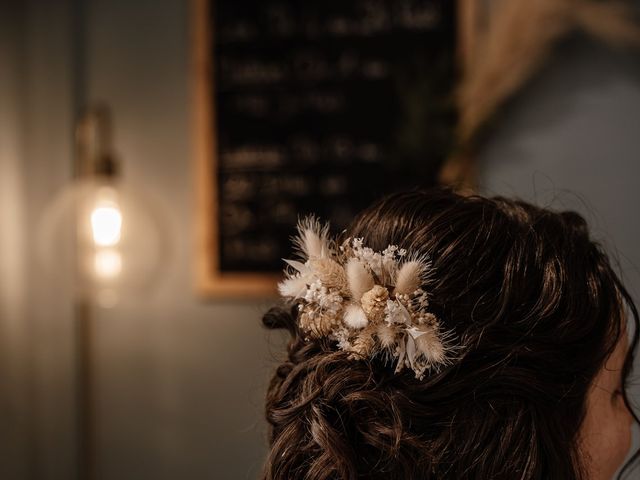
(538, 307)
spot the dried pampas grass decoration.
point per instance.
(410, 277)
(504, 48)
(371, 303)
(386, 335)
(312, 239)
(330, 273)
(519, 36)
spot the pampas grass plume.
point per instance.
(312, 239)
(293, 287)
(409, 277)
(431, 347)
(359, 278)
(330, 273)
(386, 335)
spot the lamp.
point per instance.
(101, 236)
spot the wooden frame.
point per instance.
(210, 282)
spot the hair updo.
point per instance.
(538, 308)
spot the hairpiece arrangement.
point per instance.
(369, 302)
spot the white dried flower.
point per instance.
(326, 300)
(397, 313)
(355, 317)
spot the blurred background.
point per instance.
(154, 156)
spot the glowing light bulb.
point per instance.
(107, 263)
(106, 225)
(103, 241)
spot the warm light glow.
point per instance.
(106, 225)
(107, 263)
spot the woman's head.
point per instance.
(539, 311)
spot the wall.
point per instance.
(36, 321)
(13, 385)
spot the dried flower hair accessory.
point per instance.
(369, 302)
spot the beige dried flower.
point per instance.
(318, 323)
(427, 318)
(307, 320)
(363, 343)
(328, 322)
(330, 273)
(429, 345)
(387, 335)
(374, 302)
(409, 277)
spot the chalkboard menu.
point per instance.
(318, 107)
